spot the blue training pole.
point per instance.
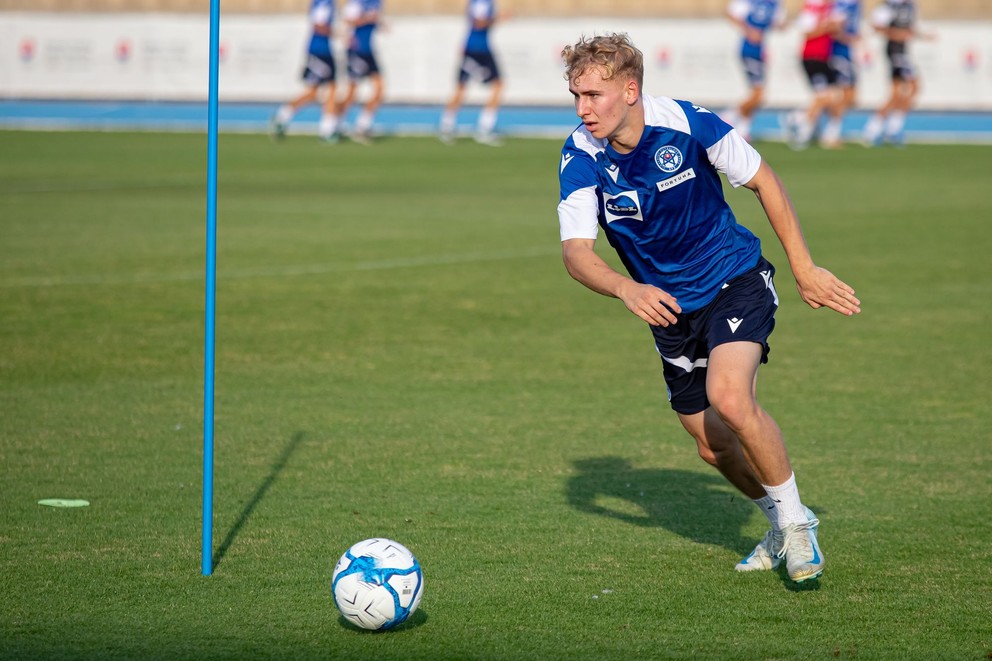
(206, 559)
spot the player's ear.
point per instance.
(631, 92)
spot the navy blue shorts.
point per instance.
(754, 70)
(361, 65)
(845, 74)
(743, 311)
(481, 66)
(319, 69)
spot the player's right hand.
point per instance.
(653, 305)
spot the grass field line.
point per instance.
(290, 270)
(99, 186)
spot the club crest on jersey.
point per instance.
(668, 159)
(622, 206)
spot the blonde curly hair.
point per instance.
(613, 53)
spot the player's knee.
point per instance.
(736, 409)
(707, 454)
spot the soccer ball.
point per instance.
(377, 584)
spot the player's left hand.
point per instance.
(821, 288)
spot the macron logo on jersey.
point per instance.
(565, 160)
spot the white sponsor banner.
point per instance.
(166, 57)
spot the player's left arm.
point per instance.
(817, 286)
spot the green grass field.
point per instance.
(400, 353)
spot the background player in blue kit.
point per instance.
(754, 18)
(847, 14)
(645, 170)
(319, 72)
(478, 62)
(896, 20)
(362, 16)
(818, 24)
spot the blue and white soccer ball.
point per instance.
(377, 584)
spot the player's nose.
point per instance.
(581, 107)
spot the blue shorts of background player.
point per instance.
(319, 69)
(744, 310)
(842, 63)
(480, 66)
(361, 65)
(753, 59)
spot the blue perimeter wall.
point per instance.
(552, 122)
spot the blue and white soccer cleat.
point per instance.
(764, 556)
(277, 129)
(803, 558)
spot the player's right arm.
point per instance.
(650, 303)
(578, 218)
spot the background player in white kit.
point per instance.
(646, 171)
(896, 21)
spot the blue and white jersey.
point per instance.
(483, 11)
(364, 14)
(662, 205)
(849, 12)
(760, 15)
(322, 23)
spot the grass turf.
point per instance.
(400, 353)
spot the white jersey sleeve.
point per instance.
(578, 215)
(882, 16)
(321, 14)
(739, 9)
(733, 156)
(352, 10)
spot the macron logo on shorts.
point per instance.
(734, 324)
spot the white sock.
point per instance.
(285, 114)
(487, 121)
(788, 506)
(448, 122)
(873, 129)
(364, 122)
(768, 507)
(831, 132)
(328, 125)
(805, 130)
(897, 120)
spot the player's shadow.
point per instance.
(257, 497)
(695, 505)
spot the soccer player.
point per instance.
(754, 18)
(362, 16)
(896, 20)
(848, 15)
(817, 23)
(318, 73)
(477, 62)
(646, 170)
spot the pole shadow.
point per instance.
(257, 497)
(697, 506)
